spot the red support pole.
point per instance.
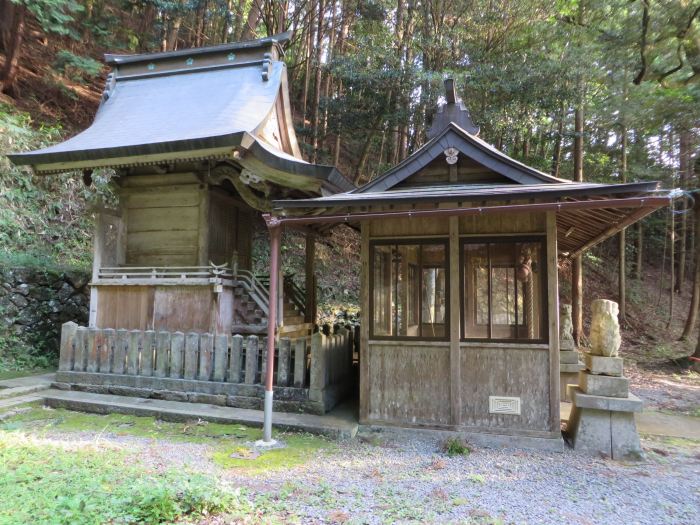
(275, 229)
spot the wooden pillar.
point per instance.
(553, 321)
(97, 249)
(310, 282)
(455, 327)
(366, 320)
(275, 230)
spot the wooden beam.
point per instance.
(364, 326)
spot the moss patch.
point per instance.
(227, 440)
(299, 449)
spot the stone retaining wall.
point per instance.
(34, 304)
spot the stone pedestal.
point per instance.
(602, 415)
(604, 425)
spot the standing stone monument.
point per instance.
(602, 415)
(569, 363)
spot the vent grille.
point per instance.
(504, 405)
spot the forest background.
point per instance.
(594, 90)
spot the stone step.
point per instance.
(22, 386)
(338, 424)
(14, 402)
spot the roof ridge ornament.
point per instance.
(453, 110)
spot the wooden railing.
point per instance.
(164, 274)
(191, 361)
(258, 290)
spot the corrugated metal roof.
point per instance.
(469, 192)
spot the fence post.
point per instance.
(162, 351)
(191, 355)
(283, 362)
(80, 349)
(93, 348)
(121, 344)
(205, 357)
(132, 356)
(300, 363)
(149, 339)
(319, 361)
(177, 350)
(220, 357)
(234, 370)
(65, 361)
(251, 359)
(107, 350)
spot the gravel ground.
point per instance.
(381, 479)
(677, 392)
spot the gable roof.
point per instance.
(467, 144)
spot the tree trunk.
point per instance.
(622, 273)
(577, 263)
(556, 157)
(684, 164)
(639, 274)
(317, 82)
(672, 266)
(695, 301)
(252, 20)
(8, 75)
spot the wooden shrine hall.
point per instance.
(459, 247)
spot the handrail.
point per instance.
(257, 291)
(295, 293)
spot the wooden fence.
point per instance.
(184, 361)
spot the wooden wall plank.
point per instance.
(163, 219)
(407, 384)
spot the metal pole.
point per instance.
(275, 230)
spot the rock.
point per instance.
(19, 300)
(65, 292)
(77, 280)
(605, 328)
(599, 365)
(23, 289)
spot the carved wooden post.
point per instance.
(220, 357)
(107, 350)
(191, 355)
(177, 354)
(147, 350)
(121, 344)
(205, 357)
(251, 359)
(283, 362)
(234, 371)
(162, 354)
(132, 356)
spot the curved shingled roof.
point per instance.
(221, 102)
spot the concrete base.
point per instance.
(605, 386)
(568, 374)
(600, 431)
(340, 423)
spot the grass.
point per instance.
(456, 447)
(47, 478)
(14, 374)
(47, 481)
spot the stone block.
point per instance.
(566, 345)
(568, 357)
(571, 369)
(618, 404)
(210, 399)
(169, 395)
(606, 386)
(624, 436)
(599, 365)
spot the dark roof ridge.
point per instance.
(278, 39)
